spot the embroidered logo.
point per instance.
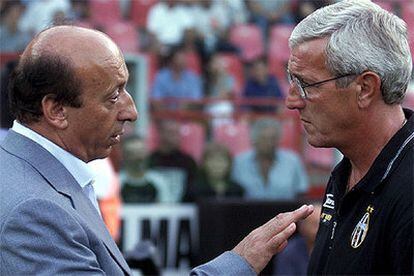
(361, 229)
(329, 202)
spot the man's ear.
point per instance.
(370, 88)
(54, 112)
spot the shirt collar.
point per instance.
(78, 168)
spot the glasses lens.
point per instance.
(295, 81)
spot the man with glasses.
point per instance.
(349, 69)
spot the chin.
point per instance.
(318, 143)
(102, 154)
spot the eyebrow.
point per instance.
(298, 77)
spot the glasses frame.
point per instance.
(303, 94)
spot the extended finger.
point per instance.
(283, 220)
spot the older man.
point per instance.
(68, 94)
(349, 68)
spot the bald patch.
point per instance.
(83, 47)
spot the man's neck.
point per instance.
(369, 142)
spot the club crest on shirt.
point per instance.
(361, 229)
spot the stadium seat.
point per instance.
(386, 5)
(125, 35)
(407, 13)
(249, 39)
(8, 56)
(279, 51)
(234, 67)
(193, 138)
(104, 12)
(235, 136)
(139, 11)
(193, 62)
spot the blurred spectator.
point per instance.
(294, 259)
(139, 184)
(306, 7)
(220, 86)
(168, 20)
(12, 37)
(41, 14)
(177, 167)
(106, 185)
(211, 19)
(224, 45)
(237, 11)
(260, 84)
(176, 81)
(79, 11)
(265, 13)
(267, 172)
(214, 175)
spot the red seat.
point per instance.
(407, 13)
(193, 62)
(8, 56)
(193, 138)
(386, 5)
(234, 67)
(279, 51)
(235, 136)
(104, 12)
(249, 39)
(139, 11)
(125, 36)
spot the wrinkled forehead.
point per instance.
(309, 55)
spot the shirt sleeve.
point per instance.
(228, 263)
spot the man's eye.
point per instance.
(304, 83)
(115, 97)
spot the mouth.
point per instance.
(116, 138)
(305, 121)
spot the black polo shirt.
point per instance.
(369, 230)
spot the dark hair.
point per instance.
(34, 78)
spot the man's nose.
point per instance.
(129, 111)
(294, 100)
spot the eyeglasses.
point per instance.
(302, 85)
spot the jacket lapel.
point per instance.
(63, 182)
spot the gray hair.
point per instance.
(361, 36)
(259, 125)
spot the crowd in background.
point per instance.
(220, 59)
(216, 58)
